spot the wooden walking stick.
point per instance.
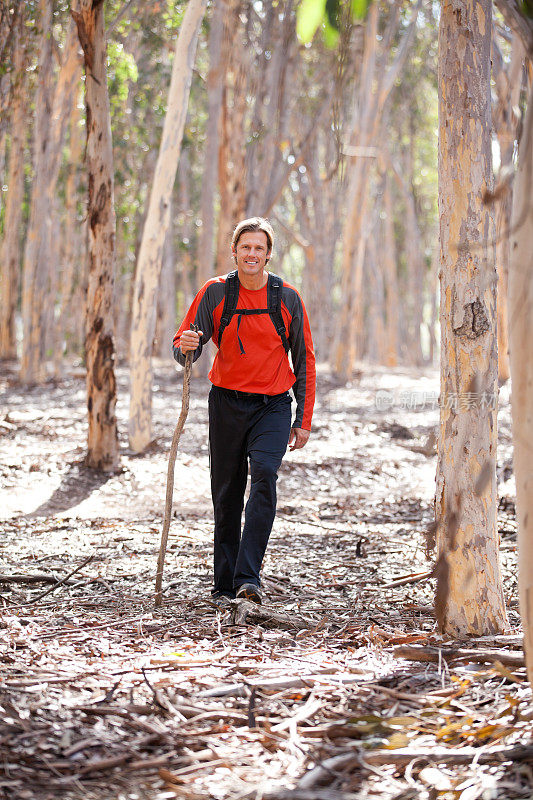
(170, 472)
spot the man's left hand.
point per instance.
(298, 438)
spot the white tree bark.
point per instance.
(32, 368)
(11, 246)
(150, 255)
(102, 451)
(215, 83)
(392, 302)
(52, 113)
(520, 338)
(469, 587)
(165, 325)
(508, 84)
(520, 331)
(73, 239)
(377, 82)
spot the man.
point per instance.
(254, 319)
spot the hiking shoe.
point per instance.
(251, 592)
(221, 600)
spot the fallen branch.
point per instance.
(56, 585)
(39, 577)
(433, 654)
(406, 579)
(272, 684)
(401, 757)
(246, 613)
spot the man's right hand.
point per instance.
(189, 340)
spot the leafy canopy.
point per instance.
(327, 15)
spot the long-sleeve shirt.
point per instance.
(251, 357)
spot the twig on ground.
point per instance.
(56, 585)
(432, 654)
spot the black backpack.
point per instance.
(231, 298)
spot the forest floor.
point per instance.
(340, 687)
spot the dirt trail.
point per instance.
(103, 697)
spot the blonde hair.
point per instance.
(253, 225)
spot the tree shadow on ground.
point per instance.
(78, 482)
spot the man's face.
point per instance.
(251, 253)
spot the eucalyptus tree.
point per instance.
(53, 102)
(156, 225)
(377, 77)
(102, 438)
(469, 597)
(12, 233)
(520, 18)
(508, 84)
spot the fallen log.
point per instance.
(404, 580)
(401, 757)
(433, 654)
(38, 577)
(274, 684)
(243, 612)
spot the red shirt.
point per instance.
(251, 357)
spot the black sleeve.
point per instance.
(201, 314)
(303, 360)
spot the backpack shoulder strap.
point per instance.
(231, 298)
(274, 287)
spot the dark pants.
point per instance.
(241, 427)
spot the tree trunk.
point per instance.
(415, 275)
(392, 300)
(32, 368)
(357, 172)
(520, 331)
(215, 80)
(52, 113)
(433, 282)
(508, 85)
(71, 250)
(232, 149)
(99, 328)
(520, 337)
(52, 336)
(469, 588)
(377, 81)
(166, 302)
(376, 341)
(11, 248)
(215, 89)
(150, 256)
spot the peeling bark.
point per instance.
(377, 81)
(32, 368)
(508, 85)
(215, 82)
(469, 587)
(102, 453)
(232, 147)
(166, 301)
(72, 259)
(392, 302)
(156, 225)
(11, 247)
(520, 337)
(52, 113)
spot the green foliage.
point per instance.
(526, 7)
(310, 16)
(122, 71)
(327, 15)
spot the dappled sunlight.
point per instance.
(186, 698)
